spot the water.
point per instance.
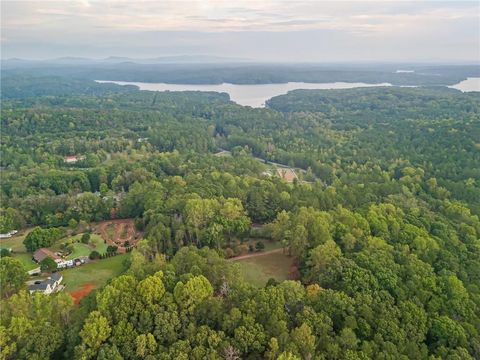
(471, 84)
(247, 95)
(257, 95)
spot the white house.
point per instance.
(47, 286)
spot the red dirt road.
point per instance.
(124, 230)
(247, 256)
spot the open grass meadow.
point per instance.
(80, 249)
(16, 242)
(95, 273)
(26, 260)
(258, 270)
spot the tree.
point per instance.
(12, 276)
(6, 220)
(304, 340)
(72, 224)
(259, 246)
(36, 323)
(95, 331)
(146, 345)
(85, 238)
(48, 264)
(447, 332)
(151, 289)
(112, 249)
(94, 255)
(322, 257)
(288, 356)
(39, 237)
(194, 291)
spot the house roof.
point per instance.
(56, 276)
(41, 287)
(42, 253)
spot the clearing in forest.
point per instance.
(258, 268)
(287, 174)
(95, 274)
(117, 232)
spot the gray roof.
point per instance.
(56, 276)
(42, 286)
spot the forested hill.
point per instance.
(245, 73)
(381, 222)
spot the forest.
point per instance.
(239, 72)
(382, 221)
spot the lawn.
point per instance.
(96, 273)
(16, 242)
(258, 270)
(80, 249)
(26, 260)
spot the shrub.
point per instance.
(5, 252)
(112, 249)
(260, 245)
(241, 249)
(85, 238)
(229, 253)
(94, 255)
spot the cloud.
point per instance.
(69, 23)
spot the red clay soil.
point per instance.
(82, 292)
(124, 230)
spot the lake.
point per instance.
(256, 95)
(247, 95)
(471, 84)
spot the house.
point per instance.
(56, 279)
(8, 234)
(42, 253)
(73, 159)
(48, 286)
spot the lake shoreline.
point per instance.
(256, 95)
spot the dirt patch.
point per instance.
(257, 254)
(116, 232)
(82, 292)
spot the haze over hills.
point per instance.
(226, 180)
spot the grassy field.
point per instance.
(80, 249)
(96, 273)
(15, 242)
(26, 260)
(258, 270)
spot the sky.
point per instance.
(260, 30)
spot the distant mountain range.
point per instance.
(175, 59)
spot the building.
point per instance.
(8, 234)
(42, 253)
(52, 284)
(73, 159)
